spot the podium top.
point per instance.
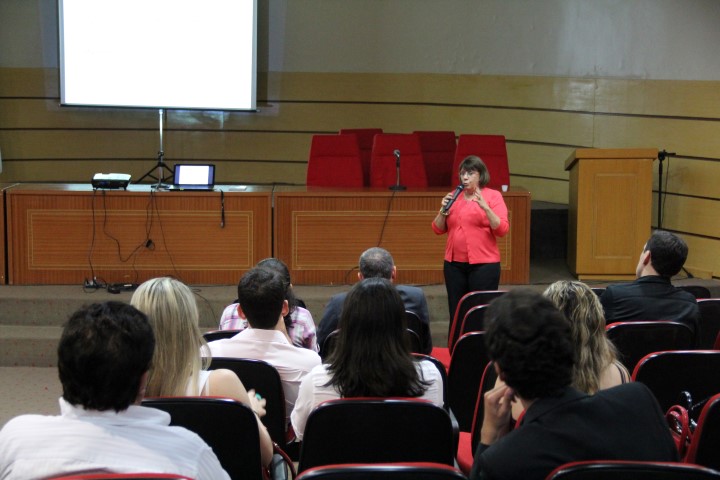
(610, 154)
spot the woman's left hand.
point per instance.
(478, 197)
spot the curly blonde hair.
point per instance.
(594, 352)
(173, 313)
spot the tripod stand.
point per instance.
(160, 166)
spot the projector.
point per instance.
(111, 180)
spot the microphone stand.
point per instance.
(160, 165)
(661, 157)
(397, 186)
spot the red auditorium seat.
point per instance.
(365, 137)
(493, 152)
(334, 162)
(383, 172)
(438, 149)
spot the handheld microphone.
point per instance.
(397, 157)
(456, 194)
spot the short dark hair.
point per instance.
(272, 263)
(668, 252)
(530, 340)
(376, 262)
(104, 350)
(261, 293)
(371, 356)
(473, 163)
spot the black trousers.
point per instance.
(462, 278)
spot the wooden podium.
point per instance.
(610, 208)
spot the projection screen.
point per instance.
(181, 54)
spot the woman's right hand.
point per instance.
(257, 403)
(446, 199)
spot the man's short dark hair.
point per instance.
(104, 350)
(530, 340)
(261, 293)
(668, 252)
(376, 262)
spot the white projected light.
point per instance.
(158, 53)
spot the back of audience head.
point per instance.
(261, 294)
(529, 340)
(104, 351)
(173, 313)
(371, 356)
(594, 352)
(377, 262)
(668, 252)
(280, 267)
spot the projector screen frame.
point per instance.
(200, 70)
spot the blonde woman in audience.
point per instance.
(177, 368)
(597, 366)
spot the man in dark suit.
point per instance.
(377, 262)
(529, 341)
(652, 296)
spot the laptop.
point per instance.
(194, 177)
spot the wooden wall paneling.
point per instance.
(133, 144)
(658, 97)
(562, 93)
(702, 255)
(538, 160)
(701, 216)
(29, 82)
(81, 171)
(697, 138)
(690, 177)
(47, 113)
(55, 231)
(546, 190)
(96, 144)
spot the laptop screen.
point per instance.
(194, 176)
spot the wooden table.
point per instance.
(64, 234)
(320, 233)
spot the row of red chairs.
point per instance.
(465, 355)
(585, 470)
(430, 433)
(366, 157)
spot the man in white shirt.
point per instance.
(261, 296)
(103, 360)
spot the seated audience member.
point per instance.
(652, 296)
(262, 296)
(298, 322)
(370, 357)
(178, 369)
(530, 341)
(377, 262)
(104, 355)
(596, 366)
